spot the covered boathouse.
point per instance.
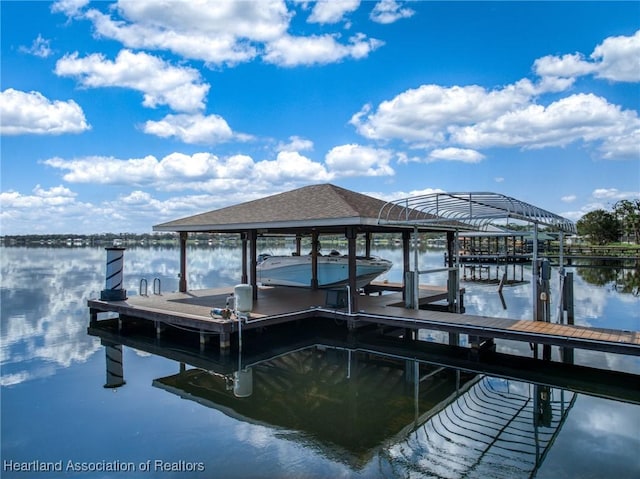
(326, 209)
(310, 211)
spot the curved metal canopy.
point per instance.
(467, 211)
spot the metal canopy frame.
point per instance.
(467, 211)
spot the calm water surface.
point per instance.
(313, 411)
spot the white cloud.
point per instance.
(618, 58)
(225, 33)
(32, 113)
(199, 171)
(614, 194)
(424, 114)
(570, 65)
(615, 59)
(215, 32)
(466, 118)
(330, 11)
(296, 144)
(291, 166)
(71, 8)
(389, 11)
(170, 172)
(569, 198)
(472, 117)
(397, 195)
(357, 160)
(193, 129)
(34, 213)
(583, 117)
(456, 154)
(180, 88)
(40, 48)
(290, 51)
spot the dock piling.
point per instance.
(113, 290)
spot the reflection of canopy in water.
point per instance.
(493, 430)
(350, 404)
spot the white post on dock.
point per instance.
(114, 276)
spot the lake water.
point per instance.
(313, 411)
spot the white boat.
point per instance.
(333, 270)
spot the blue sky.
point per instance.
(119, 116)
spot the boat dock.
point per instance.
(393, 309)
(277, 305)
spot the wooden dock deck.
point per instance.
(275, 305)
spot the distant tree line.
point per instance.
(622, 223)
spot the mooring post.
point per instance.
(113, 290)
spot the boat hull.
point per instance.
(333, 271)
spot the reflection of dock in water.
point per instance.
(502, 275)
(347, 402)
(495, 429)
(352, 396)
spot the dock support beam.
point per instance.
(253, 247)
(406, 261)
(351, 235)
(315, 247)
(160, 327)
(203, 340)
(567, 305)
(225, 343)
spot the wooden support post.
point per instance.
(315, 246)
(253, 246)
(452, 291)
(182, 287)
(93, 316)
(567, 300)
(406, 262)
(245, 270)
(160, 327)
(225, 343)
(351, 235)
(450, 248)
(367, 244)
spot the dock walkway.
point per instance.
(275, 305)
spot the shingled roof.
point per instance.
(323, 207)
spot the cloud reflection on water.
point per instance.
(44, 294)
